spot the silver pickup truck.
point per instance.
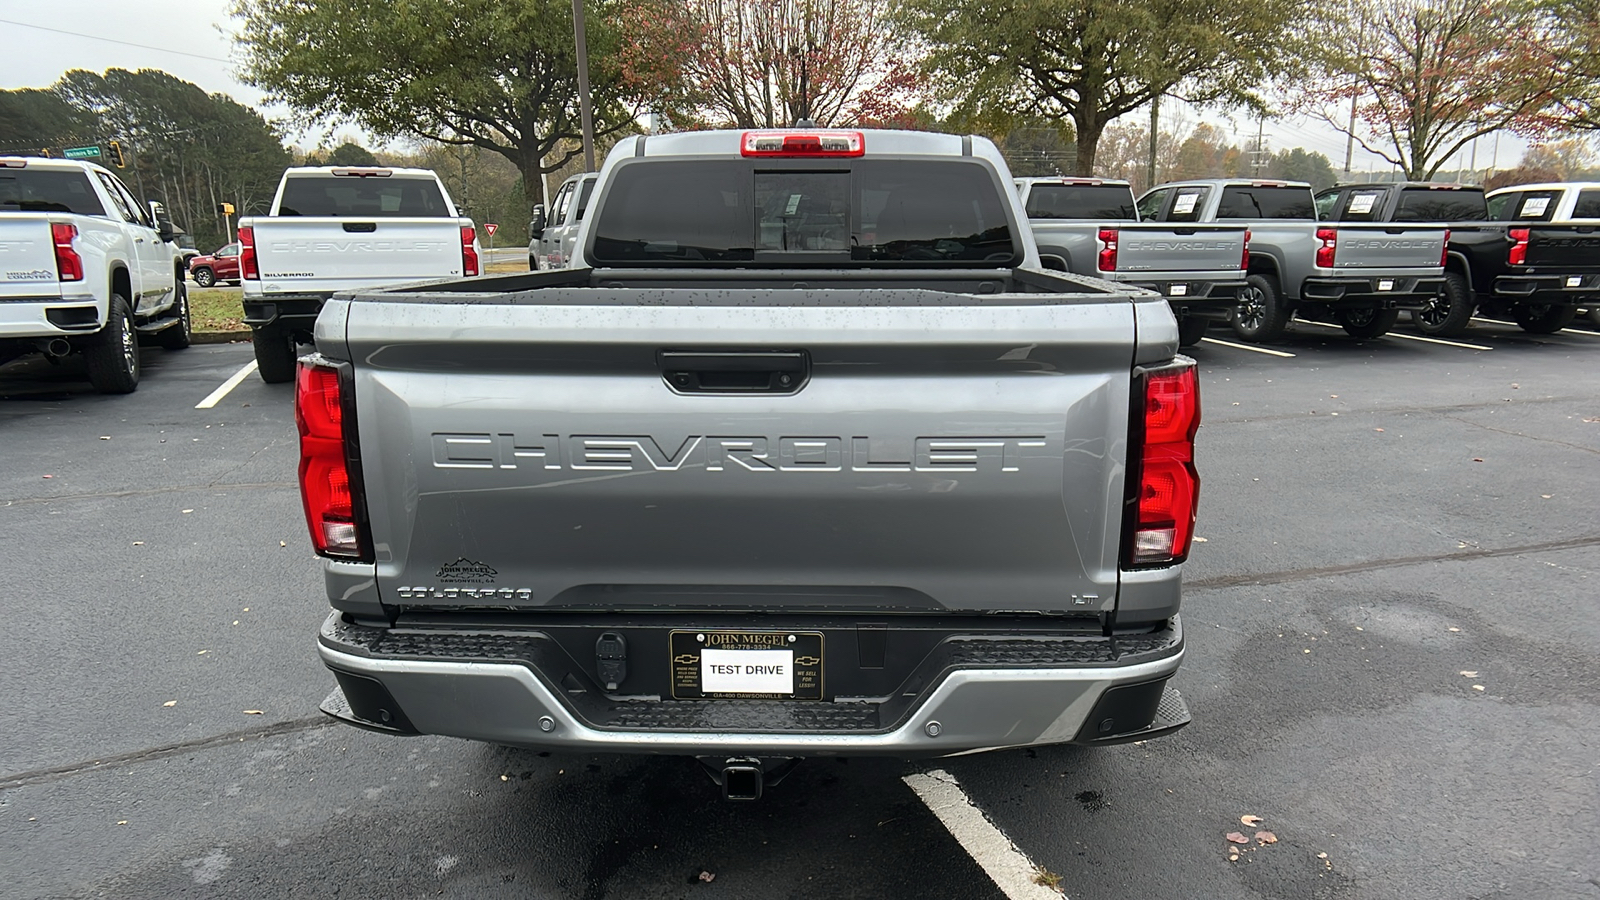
(1090, 226)
(810, 457)
(1356, 275)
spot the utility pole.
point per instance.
(1350, 139)
(1474, 163)
(585, 108)
(1155, 111)
(1258, 159)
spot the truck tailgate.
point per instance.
(317, 254)
(1153, 247)
(27, 257)
(1564, 246)
(937, 457)
(1379, 245)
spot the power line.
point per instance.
(94, 37)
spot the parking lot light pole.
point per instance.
(585, 110)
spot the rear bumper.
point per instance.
(1191, 293)
(983, 693)
(32, 317)
(293, 311)
(1559, 289)
(1375, 291)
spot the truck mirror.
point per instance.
(536, 226)
(158, 212)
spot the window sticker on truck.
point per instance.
(1534, 207)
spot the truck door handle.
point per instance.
(734, 372)
(360, 227)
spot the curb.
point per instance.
(218, 337)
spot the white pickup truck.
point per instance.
(86, 268)
(335, 229)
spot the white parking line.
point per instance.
(1009, 868)
(1575, 331)
(1248, 347)
(215, 397)
(1429, 340)
(1407, 337)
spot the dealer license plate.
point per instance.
(762, 665)
(1385, 284)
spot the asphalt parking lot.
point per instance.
(1393, 643)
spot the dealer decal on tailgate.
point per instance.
(777, 665)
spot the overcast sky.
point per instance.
(193, 40)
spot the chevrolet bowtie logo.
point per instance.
(807, 660)
(683, 659)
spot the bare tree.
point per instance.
(1414, 81)
(763, 63)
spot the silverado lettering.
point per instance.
(716, 453)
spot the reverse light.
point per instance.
(247, 253)
(1328, 245)
(69, 265)
(326, 488)
(469, 253)
(1107, 260)
(1519, 246)
(803, 143)
(1166, 487)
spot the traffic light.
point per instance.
(116, 155)
(225, 208)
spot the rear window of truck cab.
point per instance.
(1252, 201)
(864, 212)
(363, 197)
(1429, 204)
(1080, 201)
(48, 190)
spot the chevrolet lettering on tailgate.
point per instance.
(635, 453)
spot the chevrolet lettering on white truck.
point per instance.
(809, 456)
(86, 268)
(335, 228)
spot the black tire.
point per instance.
(1366, 324)
(177, 337)
(275, 355)
(1191, 329)
(1594, 316)
(1543, 318)
(1260, 315)
(114, 356)
(204, 277)
(1448, 314)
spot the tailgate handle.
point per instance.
(734, 372)
(1185, 231)
(360, 227)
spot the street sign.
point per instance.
(82, 153)
(491, 228)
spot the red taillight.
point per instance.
(1108, 250)
(1328, 245)
(1167, 485)
(469, 253)
(1244, 255)
(325, 485)
(69, 265)
(247, 253)
(1519, 246)
(1444, 252)
(809, 143)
